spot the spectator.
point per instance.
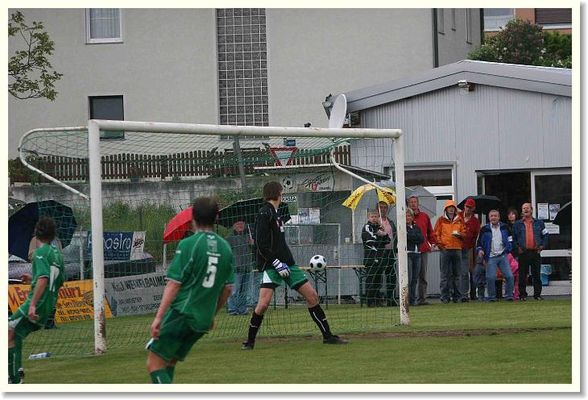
(530, 238)
(423, 222)
(512, 216)
(374, 240)
(472, 228)
(389, 257)
(494, 244)
(241, 242)
(449, 231)
(480, 278)
(414, 238)
(514, 267)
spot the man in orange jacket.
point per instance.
(450, 230)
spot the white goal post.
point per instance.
(96, 201)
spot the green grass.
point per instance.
(462, 343)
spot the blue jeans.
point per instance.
(237, 303)
(491, 265)
(414, 269)
(450, 268)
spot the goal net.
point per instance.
(128, 185)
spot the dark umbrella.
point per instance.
(564, 216)
(246, 210)
(484, 203)
(14, 205)
(21, 225)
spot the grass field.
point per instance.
(457, 343)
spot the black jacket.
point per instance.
(414, 237)
(373, 245)
(270, 240)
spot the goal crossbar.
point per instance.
(95, 180)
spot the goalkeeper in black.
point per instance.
(276, 262)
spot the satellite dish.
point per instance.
(338, 112)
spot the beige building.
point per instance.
(230, 66)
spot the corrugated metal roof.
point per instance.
(556, 81)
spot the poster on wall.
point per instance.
(553, 210)
(316, 182)
(543, 211)
(552, 228)
(309, 216)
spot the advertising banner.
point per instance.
(75, 302)
(119, 246)
(132, 295)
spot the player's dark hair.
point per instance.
(205, 211)
(272, 190)
(45, 229)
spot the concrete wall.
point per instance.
(453, 45)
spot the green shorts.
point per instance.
(22, 325)
(176, 337)
(272, 279)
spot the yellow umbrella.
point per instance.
(387, 195)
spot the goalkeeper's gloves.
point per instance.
(281, 268)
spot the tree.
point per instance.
(29, 70)
(521, 42)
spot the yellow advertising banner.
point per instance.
(75, 302)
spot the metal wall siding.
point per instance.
(557, 145)
(486, 129)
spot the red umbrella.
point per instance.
(177, 227)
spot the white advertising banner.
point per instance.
(135, 295)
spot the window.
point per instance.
(553, 16)
(468, 25)
(440, 20)
(496, 18)
(242, 66)
(108, 107)
(453, 19)
(103, 25)
(437, 181)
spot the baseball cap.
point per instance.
(470, 203)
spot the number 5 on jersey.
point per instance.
(210, 272)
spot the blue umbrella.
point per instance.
(21, 225)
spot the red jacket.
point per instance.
(472, 231)
(423, 221)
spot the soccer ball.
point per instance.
(318, 263)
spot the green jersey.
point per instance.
(47, 263)
(203, 265)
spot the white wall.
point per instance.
(165, 69)
(314, 52)
(166, 66)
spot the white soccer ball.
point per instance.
(318, 263)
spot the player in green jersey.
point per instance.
(48, 276)
(199, 281)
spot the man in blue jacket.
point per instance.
(494, 243)
(530, 237)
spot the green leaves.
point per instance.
(521, 42)
(30, 72)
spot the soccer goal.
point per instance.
(129, 184)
